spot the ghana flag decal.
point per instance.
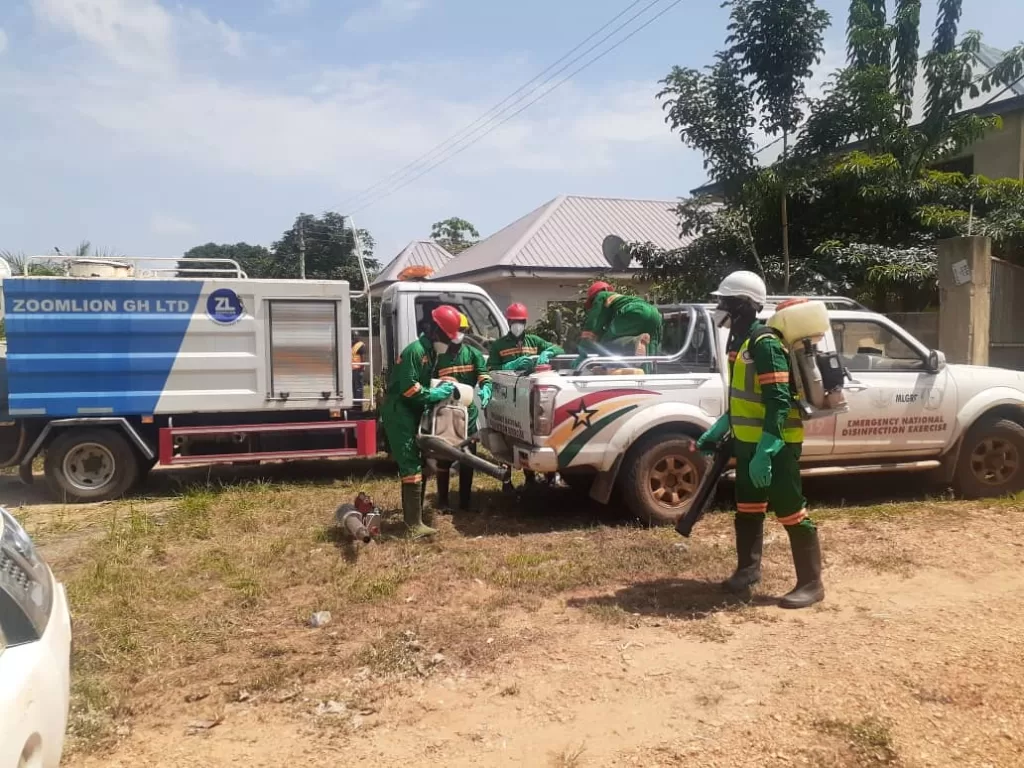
(577, 422)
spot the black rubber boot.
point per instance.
(807, 559)
(749, 543)
(412, 511)
(444, 475)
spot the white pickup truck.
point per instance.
(909, 411)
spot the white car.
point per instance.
(35, 654)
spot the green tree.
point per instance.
(454, 235)
(777, 42)
(863, 222)
(254, 260)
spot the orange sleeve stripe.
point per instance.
(412, 390)
(482, 378)
(610, 300)
(409, 479)
(589, 336)
(776, 377)
(795, 519)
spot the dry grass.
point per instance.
(213, 589)
(218, 585)
(866, 743)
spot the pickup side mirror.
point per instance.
(936, 361)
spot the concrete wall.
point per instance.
(1001, 153)
(537, 292)
(965, 280)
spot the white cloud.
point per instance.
(135, 34)
(288, 7)
(166, 224)
(224, 36)
(3, 40)
(384, 12)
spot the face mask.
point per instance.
(722, 318)
(441, 347)
(518, 329)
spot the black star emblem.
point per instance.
(582, 415)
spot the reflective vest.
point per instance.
(746, 408)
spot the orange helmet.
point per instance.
(516, 312)
(595, 289)
(448, 320)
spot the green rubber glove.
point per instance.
(761, 464)
(706, 442)
(439, 393)
(519, 364)
(545, 357)
(485, 394)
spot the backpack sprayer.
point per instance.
(444, 433)
(816, 377)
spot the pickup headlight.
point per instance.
(26, 585)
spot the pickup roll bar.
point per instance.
(607, 357)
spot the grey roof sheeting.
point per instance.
(567, 233)
(1008, 97)
(425, 252)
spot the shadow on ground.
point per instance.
(671, 598)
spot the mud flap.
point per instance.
(25, 472)
(604, 483)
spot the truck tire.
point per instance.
(991, 459)
(85, 465)
(663, 473)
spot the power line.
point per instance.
(464, 147)
(485, 116)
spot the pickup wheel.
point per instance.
(991, 459)
(662, 477)
(90, 465)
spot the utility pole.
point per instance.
(302, 251)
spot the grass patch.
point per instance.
(570, 757)
(868, 741)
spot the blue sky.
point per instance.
(149, 126)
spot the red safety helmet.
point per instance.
(448, 319)
(516, 312)
(595, 289)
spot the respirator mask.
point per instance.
(517, 329)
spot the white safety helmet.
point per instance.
(743, 284)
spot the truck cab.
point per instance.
(629, 424)
(405, 307)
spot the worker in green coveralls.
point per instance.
(520, 351)
(623, 325)
(462, 364)
(516, 349)
(408, 394)
(768, 437)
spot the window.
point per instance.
(675, 327)
(964, 165)
(484, 328)
(865, 345)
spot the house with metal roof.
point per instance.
(999, 154)
(417, 253)
(548, 254)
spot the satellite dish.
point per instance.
(615, 253)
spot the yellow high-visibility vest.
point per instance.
(746, 409)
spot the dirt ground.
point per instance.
(537, 632)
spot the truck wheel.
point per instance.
(662, 477)
(90, 465)
(991, 459)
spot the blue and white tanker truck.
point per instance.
(117, 366)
